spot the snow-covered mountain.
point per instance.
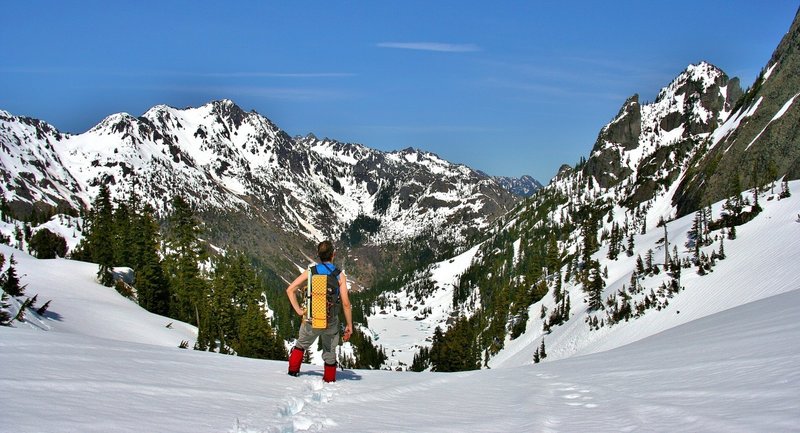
(255, 187)
(564, 268)
(523, 186)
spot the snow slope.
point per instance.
(732, 371)
(97, 362)
(761, 262)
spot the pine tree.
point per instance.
(666, 248)
(785, 193)
(5, 316)
(648, 261)
(629, 250)
(150, 282)
(553, 255)
(5, 210)
(183, 263)
(694, 233)
(640, 269)
(594, 286)
(43, 309)
(100, 236)
(422, 360)
(256, 338)
(123, 235)
(47, 245)
(20, 317)
(11, 280)
(772, 174)
(732, 208)
(707, 220)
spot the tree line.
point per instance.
(174, 274)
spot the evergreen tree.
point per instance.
(5, 315)
(20, 317)
(368, 355)
(629, 250)
(100, 236)
(785, 193)
(256, 338)
(732, 208)
(553, 255)
(422, 359)
(183, 263)
(772, 174)
(456, 350)
(43, 309)
(150, 282)
(123, 235)
(11, 280)
(594, 286)
(5, 210)
(695, 232)
(48, 245)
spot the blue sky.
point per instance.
(507, 87)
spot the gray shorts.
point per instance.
(328, 339)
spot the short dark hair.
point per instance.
(325, 251)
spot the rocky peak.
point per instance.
(758, 141)
(647, 139)
(621, 134)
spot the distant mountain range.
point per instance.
(255, 187)
(524, 186)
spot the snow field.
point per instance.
(726, 362)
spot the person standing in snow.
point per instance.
(329, 336)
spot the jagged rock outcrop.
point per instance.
(760, 141)
(646, 146)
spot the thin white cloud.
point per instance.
(431, 46)
(275, 74)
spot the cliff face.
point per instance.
(760, 140)
(646, 146)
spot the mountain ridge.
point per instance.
(243, 174)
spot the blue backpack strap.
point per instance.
(335, 272)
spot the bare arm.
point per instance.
(348, 313)
(290, 292)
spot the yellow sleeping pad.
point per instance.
(319, 301)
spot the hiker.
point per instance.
(328, 330)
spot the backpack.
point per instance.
(322, 295)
